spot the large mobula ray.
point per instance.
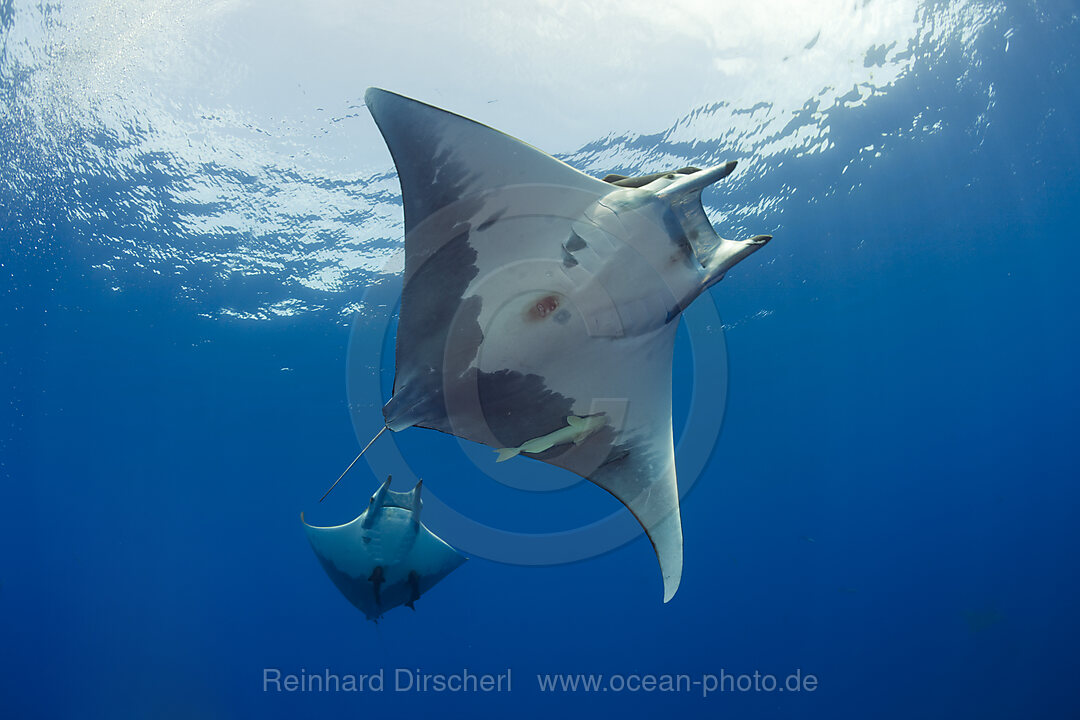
(540, 304)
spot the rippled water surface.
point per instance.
(225, 145)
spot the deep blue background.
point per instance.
(892, 505)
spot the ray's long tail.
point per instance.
(370, 443)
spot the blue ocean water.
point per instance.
(890, 505)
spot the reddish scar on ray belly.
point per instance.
(543, 307)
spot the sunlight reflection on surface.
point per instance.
(213, 141)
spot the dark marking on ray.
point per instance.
(376, 579)
(491, 220)
(414, 589)
(518, 407)
(441, 336)
(643, 180)
(673, 313)
(678, 236)
(617, 455)
(574, 243)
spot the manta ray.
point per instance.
(385, 557)
(540, 305)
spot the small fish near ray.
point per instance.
(385, 557)
(536, 296)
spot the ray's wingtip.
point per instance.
(671, 586)
(672, 578)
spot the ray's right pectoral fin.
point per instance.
(429, 561)
(643, 479)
